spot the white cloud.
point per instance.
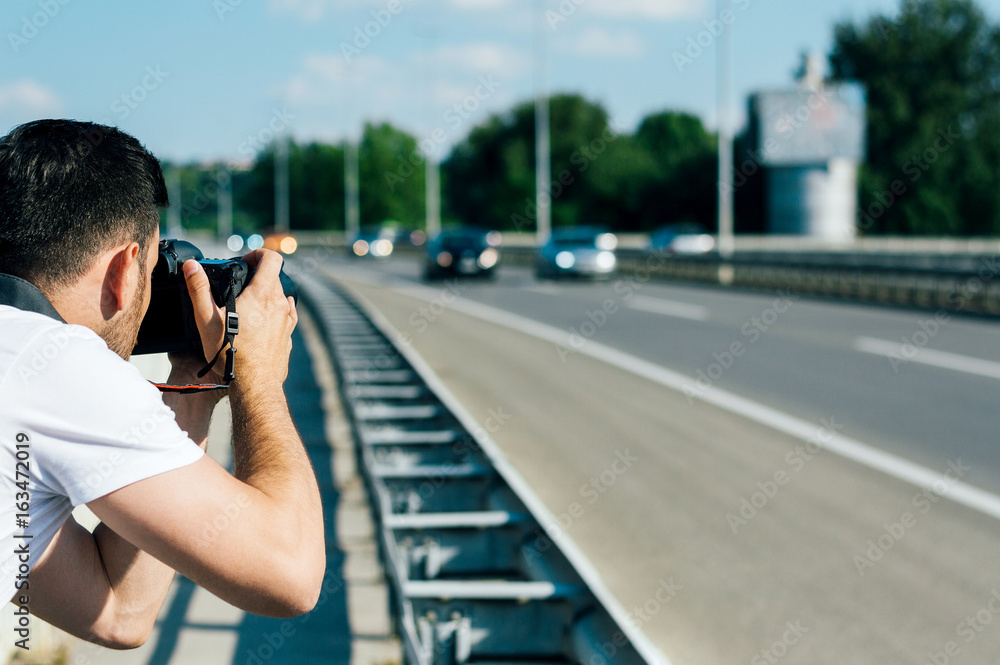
(30, 98)
(481, 57)
(598, 42)
(449, 88)
(659, 10)
(481, 4)
(310, 10)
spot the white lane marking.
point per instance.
(952, 361)
(681, 310)
(852, 449)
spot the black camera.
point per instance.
(169, 324)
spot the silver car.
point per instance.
(577, 252)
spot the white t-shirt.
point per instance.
(77, 422)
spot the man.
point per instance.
(79, 229)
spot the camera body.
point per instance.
(169, 324)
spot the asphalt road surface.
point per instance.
(696, 443)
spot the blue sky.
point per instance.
(207, 79)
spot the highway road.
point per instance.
(718, 455)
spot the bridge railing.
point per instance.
(959, 275)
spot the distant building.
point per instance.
(810, 140)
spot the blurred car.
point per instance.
(466, 252)
(281, 242)
(375, 242)
(682, 238)
(580, 251)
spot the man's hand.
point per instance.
(210, 320)
(267, 319)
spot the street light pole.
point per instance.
(543, 157)
(433, 195)
(224, 179)
(725, 87)
(175, 227)
(281, 194)
(352, 200)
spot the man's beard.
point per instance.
(122, 333)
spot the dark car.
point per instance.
(466, 252)
(580, 251)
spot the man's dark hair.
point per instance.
(70, 190)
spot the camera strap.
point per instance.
(228, 345)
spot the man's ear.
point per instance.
(121, 276)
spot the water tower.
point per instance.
(810, 139)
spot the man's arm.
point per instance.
(269, 557)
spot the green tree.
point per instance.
(392, 173)
(682, 186)
(391, 182)
(933, 81)
(315, 185)
(491, 175)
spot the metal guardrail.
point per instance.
(952, 275)
(474, 575)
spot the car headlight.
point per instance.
(488, 258)
(605, 260)
(445, 259)
(382, 247)
(565, 260)
(361, 247)
(606, 241)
